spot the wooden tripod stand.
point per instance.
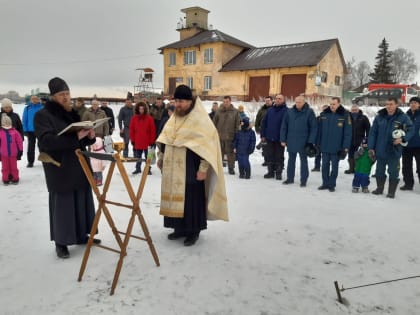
(115, 159)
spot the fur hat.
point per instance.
(183, 92)
(5, 102)
(57, 85)
(6, 122)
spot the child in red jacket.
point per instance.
(11, 148)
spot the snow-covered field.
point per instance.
(280, 253)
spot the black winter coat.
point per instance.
(360, 128)
(48, 122)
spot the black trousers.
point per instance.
(407, 164)
(31, 146)
(275, 155)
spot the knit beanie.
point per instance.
(57, 85)
(6, 122)
(183, 92)
(5, 102)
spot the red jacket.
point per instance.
(142, 131)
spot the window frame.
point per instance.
(208, 83)
(208, 55)
(172, 55)
(190, 57)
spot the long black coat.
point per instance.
(360, 128)
(48, 122)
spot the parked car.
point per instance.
(377, 97)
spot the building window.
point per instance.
(337, 80)
(189, 57)
(207, 83)
(208, 55)
(324, 77)
(190, 82)
(172, 59)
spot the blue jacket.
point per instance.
(415, 119)
(380, 135)
(271, 123)
(334, 130)
(299, 128)
(28, 116)
(244, 141)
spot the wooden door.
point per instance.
(293, 85)
(259, 88)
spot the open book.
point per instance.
(87, 124)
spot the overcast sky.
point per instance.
(96, 45)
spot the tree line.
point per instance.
(391, 66)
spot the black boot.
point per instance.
(231, 171)
(351, 167)
(62, 251)
(241, 172)
(270, 173)
(191, 239)
(407, 187)
(176, 235)
(392, 187)
(247, 173)
(380, 182)
(279, 170)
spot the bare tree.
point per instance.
(361, 73)
(348, 83)
(404, 66)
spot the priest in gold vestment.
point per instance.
(193, 186)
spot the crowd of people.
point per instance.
(194, 146)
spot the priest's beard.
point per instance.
(182, 112)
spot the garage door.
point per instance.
(293, 85)
(259, 88)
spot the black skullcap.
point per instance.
(57, 85)
(183, 92)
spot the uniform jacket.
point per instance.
(299, 127)
(142, 131)
(360, 128)
(28, 116)
(124, 117)
(16, 122)
(415, 119)
(48, 122)
(334, 130)
(244, 141)
(227, 122)
(380, 135)
(92, 115)
(271, 123)
(10, 142)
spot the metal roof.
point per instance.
(207, 36)
(284, 56)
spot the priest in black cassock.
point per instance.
(71, 203)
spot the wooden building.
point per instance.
(215, 64)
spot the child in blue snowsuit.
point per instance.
(364, 162)
(243, 146)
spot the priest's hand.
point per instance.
(201, 176)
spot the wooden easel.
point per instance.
(115, 159)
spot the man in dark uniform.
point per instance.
(70, 196)
(334, 139)
(386, 147)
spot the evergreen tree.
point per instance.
(382, 72)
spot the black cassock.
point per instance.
(195, 218)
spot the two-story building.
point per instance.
(215, 64)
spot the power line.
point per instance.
(70, 62)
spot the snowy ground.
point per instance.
(280, 253)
